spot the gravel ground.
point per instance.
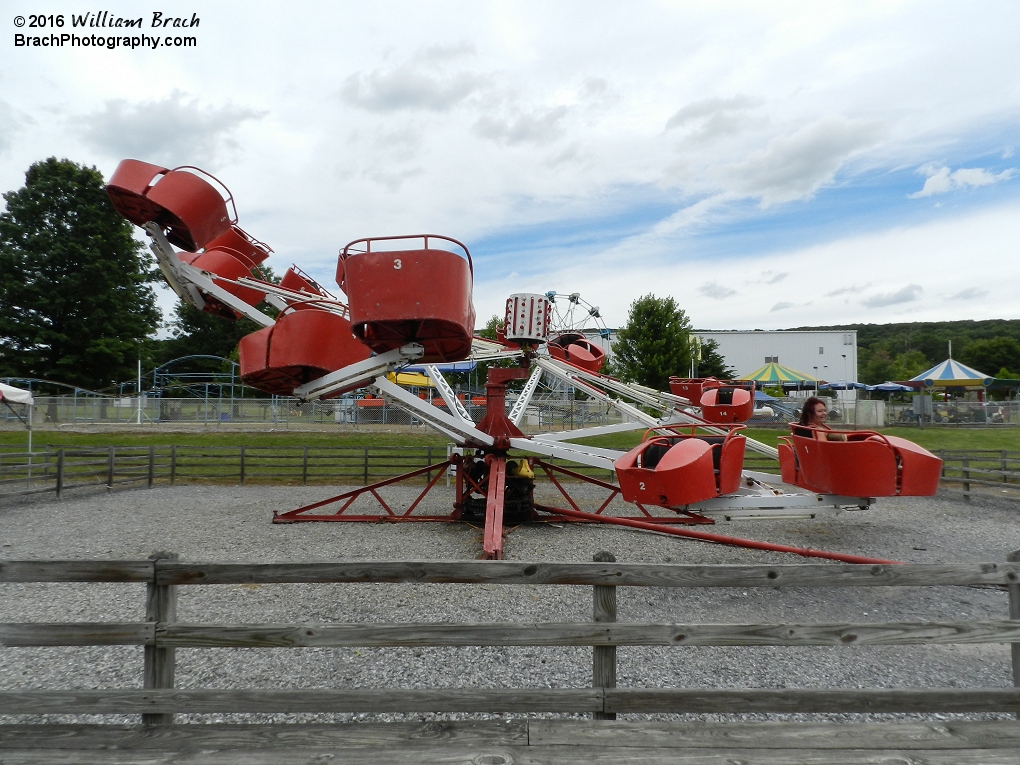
(204, 523)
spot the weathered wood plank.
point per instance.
(77, 633)
(326, 635)
(76, 571)
(498, 755)
(621, 574)
(857, 700)
(132, 701)
(183, 737)
(944, 734)
(548, 732)
(626, 700)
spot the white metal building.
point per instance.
(828, 355)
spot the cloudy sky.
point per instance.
(768, 165)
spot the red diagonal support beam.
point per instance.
(492, 545)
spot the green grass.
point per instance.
(961, 439)
(229, 438)
(953, 439)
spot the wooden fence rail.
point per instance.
(161, 633)
(524, 739)
(990, 472)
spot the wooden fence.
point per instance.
(982, 472)
(161, 634)
(58, 470)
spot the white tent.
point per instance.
(11, 395)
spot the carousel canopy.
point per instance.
(950, 374)
(778, 375)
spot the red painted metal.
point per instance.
(348, 498)
(863, 464)
(301, 346)
(495, 422)
(410, 295)
(242, 245)
(226, 264)
(492, 543)
(127, 188)
(186, 206)
(297, 280)
(194, 212)
(692, 388)
(706, 536)
(727, 404)
(575, 349)
(682, 468)
(686, 517)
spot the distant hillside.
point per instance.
(900, 351)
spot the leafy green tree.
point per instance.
(992, 355)
(74, 299)
(654, 344)
(197, 333)
(712, 363)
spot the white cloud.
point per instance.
(10, 123)
(941, 180)
(407, 87)
(795, 166)
(971, 293)
(848, 290)
(174, 131)
(781, 306)
(716, 291)
(539, 126)
(907, 294)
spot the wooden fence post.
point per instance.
(966, 480)
(152, 465)
(60, 472)
(304, 468)
(366, 466)
(1004, 466)
(242, 464)
(109, 467)
(173, 464)
(604, 656)
(160, 606)
(1014, 613)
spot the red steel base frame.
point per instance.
(493, 488)
(348, 498)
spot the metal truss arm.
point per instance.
(599, 458)
(517, 413)
(454, 404)
(432, 415)
(188, 282)
(359, 374)
(600, 430)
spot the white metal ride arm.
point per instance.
(463, 432)
(281, 297)
(579, 378)
(585, 455)
(359, 374)
(454, 404)
(189, 282)
(517, 412)
(598, 430)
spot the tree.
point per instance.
(74, 299)
(712, 363)
(654, 344)
(197, 333)
(993, 355)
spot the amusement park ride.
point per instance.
(409, 300)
